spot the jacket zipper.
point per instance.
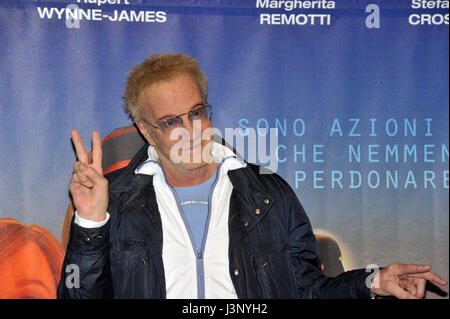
(201, 249)
(198, 251)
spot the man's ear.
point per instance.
(143, 129)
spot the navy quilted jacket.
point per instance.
(272, 253)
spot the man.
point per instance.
(187, 219)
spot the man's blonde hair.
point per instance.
(160, 67)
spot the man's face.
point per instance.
(164, 100)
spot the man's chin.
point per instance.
(195, 157)
(192, 158)
(191, 166)
(194, 161)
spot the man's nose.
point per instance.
(194, 128)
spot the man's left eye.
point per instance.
(196, 113)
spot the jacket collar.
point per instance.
(223, 155)
(251, 199)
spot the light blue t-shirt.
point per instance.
(194, 203)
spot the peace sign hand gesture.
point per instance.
(88, 187)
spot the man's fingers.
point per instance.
(413, 269)
(97, 150)
(87, 175)
(420, 292)
(399, 292)
(81, 178)
(407, 280)
(84, 179)
(430, 276)
(79, 147)
(420, 271)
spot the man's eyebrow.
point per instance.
(169, 116)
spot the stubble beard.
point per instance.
(191, 159)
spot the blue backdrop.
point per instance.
(358, 90)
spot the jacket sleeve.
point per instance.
(304, 256)
(86, 271)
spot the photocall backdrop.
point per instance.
(357, 90)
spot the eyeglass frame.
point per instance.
(205, 106)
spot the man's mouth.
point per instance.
(192, 146)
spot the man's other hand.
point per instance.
(404, 281)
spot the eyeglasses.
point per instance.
(201, 113)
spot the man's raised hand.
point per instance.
(88, 187)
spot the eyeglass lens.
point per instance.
(175, 122)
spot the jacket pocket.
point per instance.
(273, 272)
(262, 290)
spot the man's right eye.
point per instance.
(170, 123)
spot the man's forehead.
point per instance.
(177, 94)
